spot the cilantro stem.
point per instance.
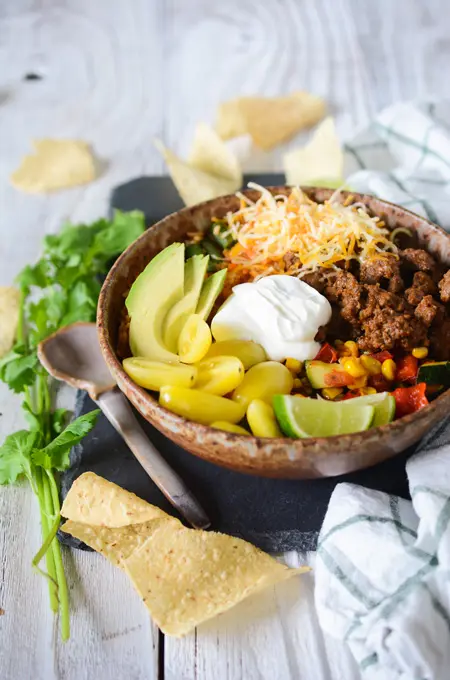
(43, 493)
(63, 593)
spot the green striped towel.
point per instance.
(383, 570)
(404, 157)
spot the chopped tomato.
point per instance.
(338, 379)
(327, 354)
(409, 399)
(382, 356)
(407, 368)
(379, 382)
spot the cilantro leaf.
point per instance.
(36, 275)
(59, 418)
(18, 369)
(15, 456)
(117, 235)
(56, 454)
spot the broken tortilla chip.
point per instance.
(194, 185)
(269, 120)
(115, 544)
(210, 154)
(55, 164)
(320, 162)
(187, 576)
(95, 501)
(9, 317)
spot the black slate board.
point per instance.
(276, 515)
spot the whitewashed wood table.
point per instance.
(117, 73)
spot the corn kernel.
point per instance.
(367, 390)
(354, 367)
(359, 382)
(331, 392)
(420, 352)
(294, 365)
(302, 396)
(352, 347)
(388, 369)
(372, 366)
(297, 384)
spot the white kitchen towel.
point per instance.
(383, 570)
(403, 156)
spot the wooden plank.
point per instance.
(118, 73)
(101, 68)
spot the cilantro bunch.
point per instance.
(61, 288)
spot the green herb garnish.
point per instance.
(62, 288)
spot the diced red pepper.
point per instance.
(338, 379)
(382, 356)
(407, 368)
(350, 395)
(379, 382)
(327, 354)
(409, 399)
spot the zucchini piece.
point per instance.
(218, 234)
(322, 375)
(437, 373)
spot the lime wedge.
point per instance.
(383, 403)
(319, 418)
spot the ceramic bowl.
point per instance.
(282, 458)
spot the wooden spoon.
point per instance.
(73, 355)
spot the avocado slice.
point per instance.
(211, 290)
(194, 276)
(156, 290)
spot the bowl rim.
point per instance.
(123, 380)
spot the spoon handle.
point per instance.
(117, 409)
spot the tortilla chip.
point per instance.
(269, 120)
(321, 161)
(95, 501)
(115, 544)
(193, 185)
(55, 164)
(9, 317)
(210, 154)
(186, 576)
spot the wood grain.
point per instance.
(117, 73)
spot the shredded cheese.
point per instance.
(318, 235)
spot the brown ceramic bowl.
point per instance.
(284, 458)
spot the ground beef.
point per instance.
(439, 344)
(384, 270)
(418, 259)
(444, 287)
(291, 260)
(387, 322)
(386, 329)
(422, 285)
(429, 311)
(344, 290)
(315, 280)
(376, 298)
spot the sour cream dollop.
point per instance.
(281, 313)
